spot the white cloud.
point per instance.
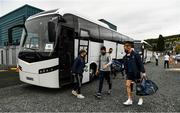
(140, 19)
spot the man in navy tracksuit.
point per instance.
(134, 69)
(77, 71)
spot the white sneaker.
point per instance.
(74, 93)
(140, 101)
(80, 96)
(128, 102)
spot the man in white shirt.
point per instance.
(156, 57)
(166, 61)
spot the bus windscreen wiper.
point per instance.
(37, 53)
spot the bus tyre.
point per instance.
(91, 74)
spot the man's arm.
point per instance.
(109, 61)
(99, 63)
(140, 63)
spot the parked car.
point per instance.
(177, 57)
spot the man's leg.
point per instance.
(79, 83)
(129, 88)
(114, 72)
(79, 95)
(101, 79)
(109, 81)
(129, 92)
(167, 64)
(122, 72)
(156, 62)
(75, 88)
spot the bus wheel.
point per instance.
(91, 74)
(92, 71)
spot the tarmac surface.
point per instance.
(29, 98)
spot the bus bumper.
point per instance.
(49, 80)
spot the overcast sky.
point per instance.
(139, 19)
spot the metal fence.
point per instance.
(8, 56)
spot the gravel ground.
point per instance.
(28, 98)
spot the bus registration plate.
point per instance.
(29, 78)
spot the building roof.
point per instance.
(26, 5)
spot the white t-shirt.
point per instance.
(156, 56)
(166, 57)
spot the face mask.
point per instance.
(103, 53)
(110, 51)
(126, 51)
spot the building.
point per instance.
(8, 54)
(13, 18)
(170, 42)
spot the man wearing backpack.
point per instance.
(104, 71)
(134, 70)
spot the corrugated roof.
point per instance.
(26, 5)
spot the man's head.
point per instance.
(110, 50)
(103, 50)
(128, 46)
(82, 53)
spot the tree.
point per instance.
(154, 48)
(177, 48)
(160, 43)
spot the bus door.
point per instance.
(84, 44)
(66, 55)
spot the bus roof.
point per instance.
(75, 13)
(63, 12)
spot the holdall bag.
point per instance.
(146, 87)
(140, 91)
(118, 66)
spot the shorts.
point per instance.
(133, 76)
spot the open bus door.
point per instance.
(84, 44)
(66, 55)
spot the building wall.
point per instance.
(8, 54)
(13, 18)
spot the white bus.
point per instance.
(51, 41)
(141, 47)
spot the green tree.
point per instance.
(154, 48)
(177, 48)
(160, 43)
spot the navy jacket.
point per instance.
(133, 64)
(78, 66)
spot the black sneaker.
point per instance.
(98, 95)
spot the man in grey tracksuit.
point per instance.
(104, 71)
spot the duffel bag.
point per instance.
(146, 87)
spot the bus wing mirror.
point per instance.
(51, 31)
(62, 20)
